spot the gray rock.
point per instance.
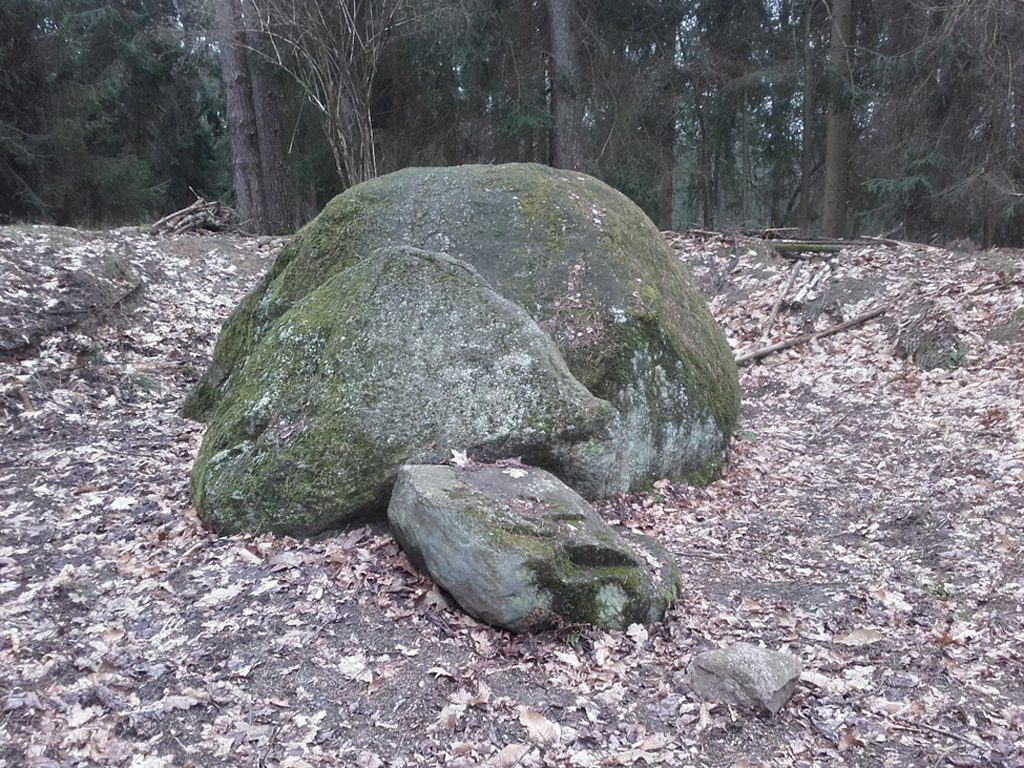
(747, 675)
(586, 264)
(403, 357)
(518, 549)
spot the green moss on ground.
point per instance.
(706, 474)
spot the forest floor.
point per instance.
(869, 521)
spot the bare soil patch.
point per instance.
(868, 521)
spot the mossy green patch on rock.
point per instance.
(405, 356)
(578, 256)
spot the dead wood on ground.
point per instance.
(201, 216)
(782, 345)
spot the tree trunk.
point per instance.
(241, 117)
(263, 195)
(666, 189)
(280, 207)
(666, 123)
(565, 87)
(837, 130)
(804, 216)
(706, 197)
(747, 180)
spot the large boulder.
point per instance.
(405, 356)
(585, 262)
(518, 549)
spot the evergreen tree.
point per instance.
(23, 82)
(110, 110)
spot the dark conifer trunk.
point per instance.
(837, 130)
(280, 206)
(804, 216)
(566, 149)
(262, 195)
(241, 118)
(666, 124)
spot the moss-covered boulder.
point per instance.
(579, 257)
(405, 356)
(518, 549)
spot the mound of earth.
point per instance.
(868, 523)
(580, 258)
(55, 278)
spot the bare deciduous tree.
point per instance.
(332, 51)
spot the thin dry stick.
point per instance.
(862, 318)
(795, 249)
(882, 240)
(903, 724)
(774, 232)
(995, 287)
(782, 297)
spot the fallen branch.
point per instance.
(853, 321)
(880, 240)
(998, 285)
(703, 233)
(903, 724)
(782, 297)
(774, 233)
(794, 249)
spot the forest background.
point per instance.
(896, 117)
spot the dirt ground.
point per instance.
(869, 521)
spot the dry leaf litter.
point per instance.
(868, 521)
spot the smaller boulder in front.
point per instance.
(517, 548)
(746, 675)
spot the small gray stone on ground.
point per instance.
(746, 675)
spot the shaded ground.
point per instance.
(869, 522)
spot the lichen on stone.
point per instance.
(525, 552)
